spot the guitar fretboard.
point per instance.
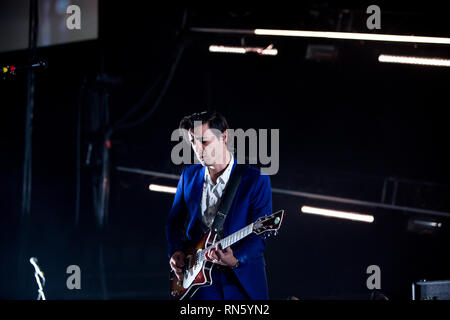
(232, 238)
(235, 237)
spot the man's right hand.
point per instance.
(177, 262)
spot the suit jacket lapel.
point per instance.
(197, 190)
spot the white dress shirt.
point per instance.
(212, 193)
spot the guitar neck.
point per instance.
(237, 236)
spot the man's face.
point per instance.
(208, 148)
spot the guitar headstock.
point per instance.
(269, 225)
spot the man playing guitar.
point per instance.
(239, 272)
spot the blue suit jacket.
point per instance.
(253, 199)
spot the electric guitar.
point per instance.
(197, 269)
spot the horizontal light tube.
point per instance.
(224, 49)
(428, 223)
(351, 36)
(243, 50)
(338, 214)
(159, 188)
(267, 52)
(414, 60)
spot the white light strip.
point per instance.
(338, 214)
(214, 48)
(428, 223)
(351, 36)
(158, 188)
(414, 60)
(269, 51)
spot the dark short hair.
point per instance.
(214, 119)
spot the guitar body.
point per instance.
(195, 275)
(197, 270)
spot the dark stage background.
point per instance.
(346, 126)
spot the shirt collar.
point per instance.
(223, 178)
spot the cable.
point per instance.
(161, 95)
(78, 154)
(139, 104)
(173, 68)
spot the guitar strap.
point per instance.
(227, 199)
